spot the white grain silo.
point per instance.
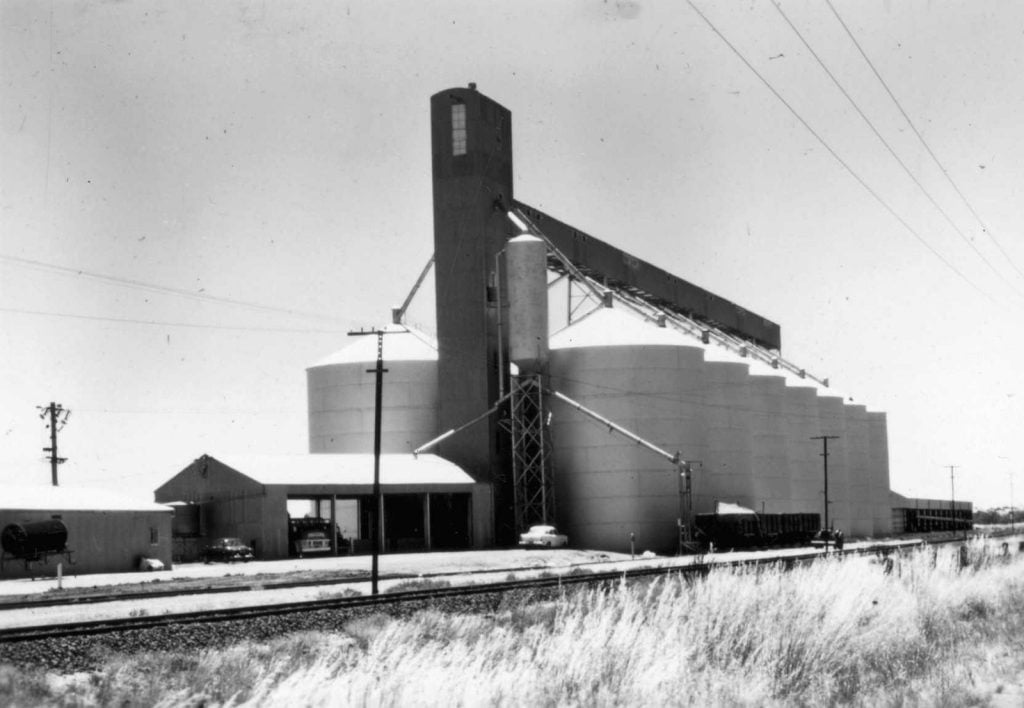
(879, 457)
(341, 395)
(832, 421)
(771, 457)
(728, 433)
(649, 380)
(805, 469)
(857, 427)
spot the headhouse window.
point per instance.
(459, 129)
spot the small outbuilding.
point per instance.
(427, 502)
(87, 530)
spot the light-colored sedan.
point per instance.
(545, 536)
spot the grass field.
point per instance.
(928, 632)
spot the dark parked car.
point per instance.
(227, 550)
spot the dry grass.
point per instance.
(836, 633)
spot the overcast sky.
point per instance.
(235, 154)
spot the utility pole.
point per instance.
(379, 370)
(952, 501)
(1011, 501)
(58, 419)
(824, 441)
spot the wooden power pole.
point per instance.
(58, 419)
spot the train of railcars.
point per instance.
(745, 528)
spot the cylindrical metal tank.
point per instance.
(32, 538)
(879, 460)
(648, 379)
(727, 473)
(770, 458)
(832, 421)
(862, 521)
(526, 275)
(805, 469)
(341, 395)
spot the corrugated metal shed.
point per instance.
(107, 532)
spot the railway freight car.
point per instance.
(733, 526)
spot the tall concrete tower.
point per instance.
(472, 171)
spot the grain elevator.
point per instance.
(647, 400)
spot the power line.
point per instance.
(890, 149)
(157, 323)
(141, 285)
(924, 142)
(835, 155)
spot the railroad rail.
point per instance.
(122, 624)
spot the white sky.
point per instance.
(279, 153)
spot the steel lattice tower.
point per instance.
(532, 479)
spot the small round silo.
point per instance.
(342, 395)
(526, 275)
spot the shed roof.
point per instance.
(50, 498)
(345, 469)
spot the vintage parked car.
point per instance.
(545, 536)
(828, 537)
(227, 550)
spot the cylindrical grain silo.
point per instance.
(832, 421)
(341, 395)
(879, 460)
(727, 473)
(862, 521)
(648, 379)
(805, 469)
(770, 458)
(526, 274)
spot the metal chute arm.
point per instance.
(523, 222)
(443, 436)
(398, 315)
(674, 458)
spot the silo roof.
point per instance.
(616, 326)
(401, 343)
(612, 327)
(50, 498)
(345, 469)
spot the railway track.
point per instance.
(381, 601)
